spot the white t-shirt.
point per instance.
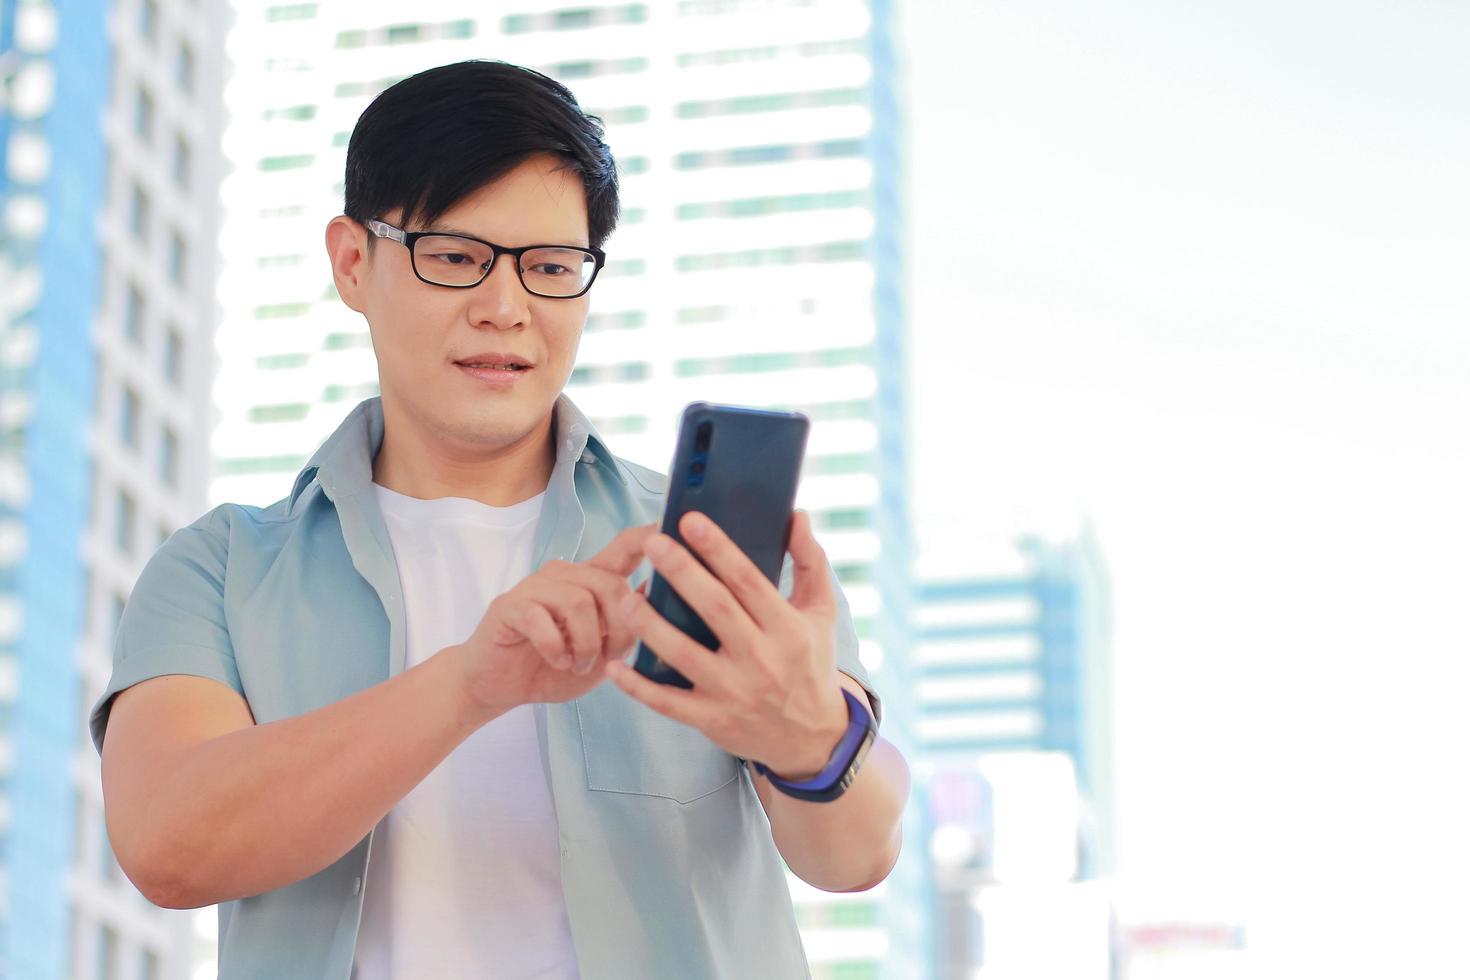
(464, 878)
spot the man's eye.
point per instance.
(551, 269)
(452, 257)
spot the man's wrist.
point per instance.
(471, 712)
(819, 746)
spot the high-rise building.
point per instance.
(1015, 718)
(108, 179)
(757, 262)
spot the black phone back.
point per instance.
(740, 467)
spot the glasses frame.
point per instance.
(382, 229)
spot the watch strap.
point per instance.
(842, 767)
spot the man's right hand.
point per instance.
(548, 636)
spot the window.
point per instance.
(168, 458)
(173, 357)
(624, 320)
(133, 315)
(290, 11)
(622, 115)
(260, 464)
(625, 267)
(276, 310)
(839, 463)
(184, 68)
(128, 418)
(786, 255)
(403, 33)
(138, 212)
(107, 868)
(574, 18)
(745, 155)
(288, 412)
(845, 519)
(271, 362)
(182, 159)
(769, 103)
(756, 362)
(754, 207)
(296, 113)
(106, 953)
(272, 164)
(346, 340)
(148, 969)
(148, 20)
(176, 258)
(127, 513)
(143, 115)
(611, 373)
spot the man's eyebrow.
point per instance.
(446, 230)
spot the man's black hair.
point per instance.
(436, 137)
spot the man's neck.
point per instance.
(428, 469)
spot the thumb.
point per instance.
(811, 587)
(625, 551)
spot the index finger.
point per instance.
(624, 552)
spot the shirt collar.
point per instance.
(343, 465)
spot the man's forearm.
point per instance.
(852, 842)
(266, 806)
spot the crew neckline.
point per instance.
(457, 509)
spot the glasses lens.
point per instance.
(450, 261)
(557, 271)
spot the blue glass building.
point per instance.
(1010, 659)
(49, 260)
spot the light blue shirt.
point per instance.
(667, 862)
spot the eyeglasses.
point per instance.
(459, 261)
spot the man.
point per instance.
(373, 720)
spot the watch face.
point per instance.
(857, 760)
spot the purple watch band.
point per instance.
(838, 774)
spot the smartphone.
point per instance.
(740, 467)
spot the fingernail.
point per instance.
(695, 527)
(658, 545)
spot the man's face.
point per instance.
(421, 331)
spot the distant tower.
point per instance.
(1013, 657)
(108, 180)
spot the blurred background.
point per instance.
(1135, 343)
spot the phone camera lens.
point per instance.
(697, 467)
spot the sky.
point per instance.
(1198, 272)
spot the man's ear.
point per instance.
(347, 250)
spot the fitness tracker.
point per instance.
(840, 770)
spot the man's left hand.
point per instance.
(770, 693)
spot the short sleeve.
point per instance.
(173, 622)
(846, 639)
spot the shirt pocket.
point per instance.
(630, 748)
